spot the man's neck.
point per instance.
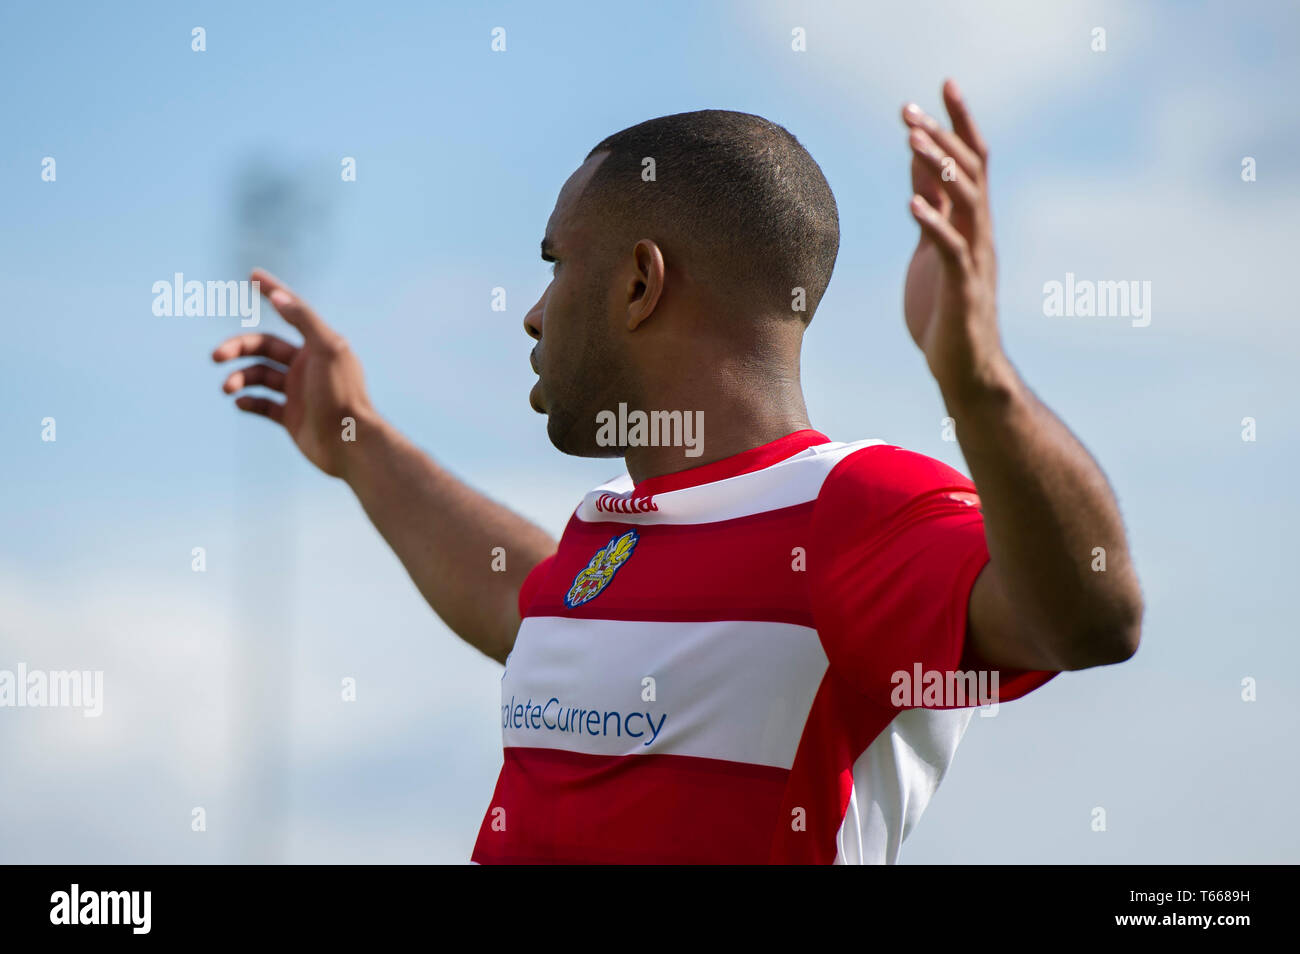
(725, 429)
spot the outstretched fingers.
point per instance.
(951, 244)
(952, 145)
(954, 161)
(961, 189)
(256, 374)
(293, 309)
(962, 123)
(255, 346)
(263, 406)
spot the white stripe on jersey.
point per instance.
(796, 480)
(734, 690)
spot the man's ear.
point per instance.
(647, 282)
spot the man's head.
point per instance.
(695, 240)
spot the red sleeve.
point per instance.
(531, 583)
(897, 543)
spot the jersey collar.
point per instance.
(756, 458)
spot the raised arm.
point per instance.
(1059, 591)
(444, 531)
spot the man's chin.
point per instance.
(576, 441)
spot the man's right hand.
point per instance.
(467, 554)
(323, 383)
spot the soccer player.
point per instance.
(760, 644)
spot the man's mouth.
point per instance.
(535, 395)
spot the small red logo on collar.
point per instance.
(617, 503)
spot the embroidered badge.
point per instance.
(595, 576)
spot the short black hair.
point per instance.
(735, 194)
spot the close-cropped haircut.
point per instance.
(734, 197)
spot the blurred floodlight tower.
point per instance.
(278, 222)
(279, 217)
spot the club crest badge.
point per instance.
(595, 576)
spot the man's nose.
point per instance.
(533, 320)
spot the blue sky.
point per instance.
(222, 687)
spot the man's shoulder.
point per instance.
(885, 477)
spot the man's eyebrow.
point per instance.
(548, 251)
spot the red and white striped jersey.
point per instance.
(707, 668)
